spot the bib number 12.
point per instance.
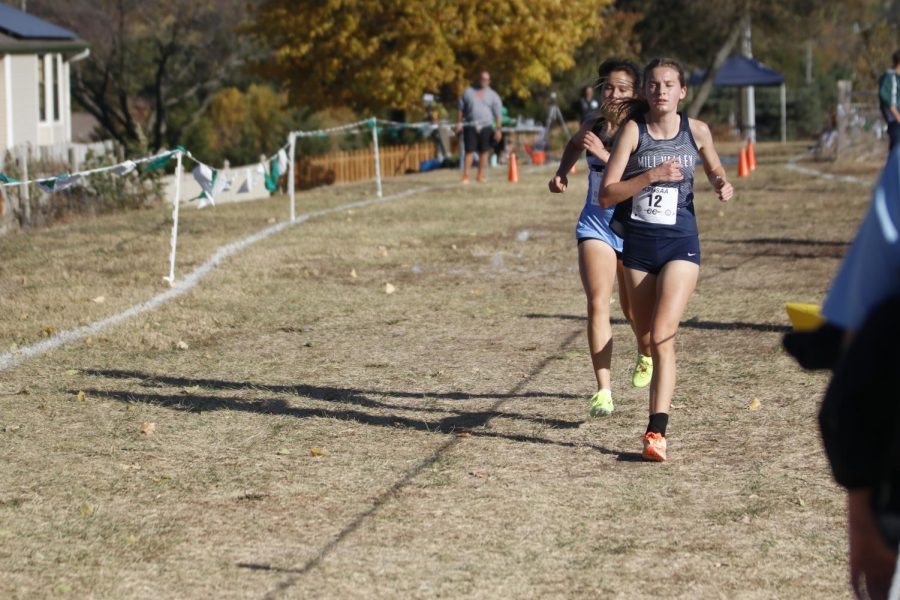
(657, 205)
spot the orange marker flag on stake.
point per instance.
(513, 168)
(751, 156)
(743, 169)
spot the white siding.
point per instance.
(4, 115)
(19, 122)
(25, 101)
(65, 90)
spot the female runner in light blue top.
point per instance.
(650, 175)
(599, 249)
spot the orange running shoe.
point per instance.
(654, 447)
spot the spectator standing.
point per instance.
(859, 415)
(889, 99)
(860, 412)
(479, 120)
(587, 104)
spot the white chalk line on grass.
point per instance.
(9, 360)
(793, 166)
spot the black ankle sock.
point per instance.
(658, 423)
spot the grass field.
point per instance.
(317, 437)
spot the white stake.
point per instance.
(26, 189)
(177, 203)
(292, 140)
(377, 159)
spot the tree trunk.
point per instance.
(718, 60)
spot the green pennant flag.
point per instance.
(47, 184)
(159, 163)
(60, 182)
(4, 178)
(272, 176)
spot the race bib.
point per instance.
(595, 183)
(657, 205)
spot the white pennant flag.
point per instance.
(124, 168)
(211, 184)
(206, 178)
(219, 185)
(205, 201)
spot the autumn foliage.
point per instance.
(371, 55)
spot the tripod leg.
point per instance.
(562, 122)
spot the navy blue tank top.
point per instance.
(664, 209)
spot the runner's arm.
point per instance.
(712, 166)
(614, 189)
(571, 154)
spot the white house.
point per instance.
(35, 98)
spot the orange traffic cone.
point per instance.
(743, 169)
(751, 156)
(513, 168)
(573, 170)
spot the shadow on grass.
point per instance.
(784, 242)
(281, 406)
(471, 422)
(788, 248)
(337, 395)
(689, 324)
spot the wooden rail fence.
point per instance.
(359, 165)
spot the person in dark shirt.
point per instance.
(860, 412)
(858, 419)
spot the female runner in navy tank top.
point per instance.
(650, 176)
(599, 249)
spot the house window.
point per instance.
(54, 59)
(42, 89)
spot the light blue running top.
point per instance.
(593, 223)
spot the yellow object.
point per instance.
(804, 317)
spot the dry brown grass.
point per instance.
(451, 414)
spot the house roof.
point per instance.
(22, 33)
(741, 71)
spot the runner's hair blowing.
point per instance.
(608, 110)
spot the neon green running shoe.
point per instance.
(601, 403)
(643, 372)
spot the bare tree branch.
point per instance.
(713, 69)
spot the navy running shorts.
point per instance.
(650, 254)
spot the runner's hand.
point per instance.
(592, 144)
(724, 189)
(668, 171)
(558, 184)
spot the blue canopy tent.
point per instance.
(742, 71)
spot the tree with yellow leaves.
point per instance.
(372, 55)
